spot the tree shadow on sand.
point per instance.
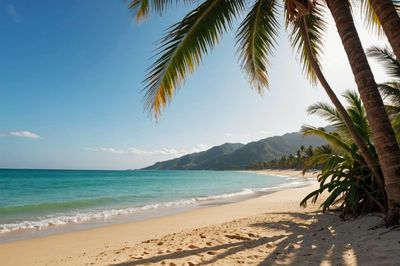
(300, 239)
(307, 244)
(231, 248)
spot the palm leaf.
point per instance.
(325, 111)
(357, 114)
(331, 138)
(388, 60)
(256, 39)
(144, 7)
(183, 48)
(391, 91)
(307, 32)
(370, 19)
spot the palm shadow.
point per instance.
(231, 248)
(308, 242)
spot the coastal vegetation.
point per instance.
(183, 47)
(291, 161)
(236, 156)
(351, 185)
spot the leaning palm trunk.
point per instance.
(382, 132)
(364, 150)
(390, 21)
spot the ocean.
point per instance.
(41, 202)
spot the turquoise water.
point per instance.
(39, 199)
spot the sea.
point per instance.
(36, 203)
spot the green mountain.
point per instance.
(236, 156)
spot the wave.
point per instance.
(82, 217)
(53, 220)
(55, 206)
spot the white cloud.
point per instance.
(109, 150)
(20, 134)
(161, 152)
(12, 12)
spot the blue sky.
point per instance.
(70, 89)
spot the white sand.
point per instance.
(269, 230)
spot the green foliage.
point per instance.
(307, 31)
(287, 161)
(142, 8)
(345, 177)
(390, 90)
(386, 57)
(355, 110)
(369, 16)
(231, 156)
(256, 36)
(184, 46)
(188, 41)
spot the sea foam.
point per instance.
(101, 215)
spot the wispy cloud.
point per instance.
(20, 134)
(12, 12)
(160, 152)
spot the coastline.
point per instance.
(77, 248)
(268, 230)
(286, 172)
(65, 222)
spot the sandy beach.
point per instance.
(268, 230)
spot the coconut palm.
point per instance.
(305, 28)
(256, 34)
(382, 132)
(385, 13)
(183, 47)
(344, 171)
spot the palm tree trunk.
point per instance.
(383, 136)
(390, 21)
(364, 150)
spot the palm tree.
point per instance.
(344, 172)
(184, 46)
(306, 32)
(382, 132)
(386, 14)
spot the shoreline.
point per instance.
(286, 172)
(141, 213)
(68, 248)
(269, 230)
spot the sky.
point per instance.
(71, 77)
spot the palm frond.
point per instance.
(388, 60)
(306, 36)
(256, 39)
(369, 17)
(325, 111)
(183, 48)
(357, 114)
(331, 138)
(142, 8)
(390, 91)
